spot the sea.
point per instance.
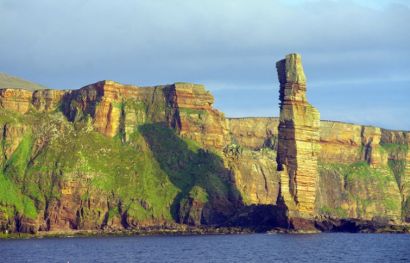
(325, 247)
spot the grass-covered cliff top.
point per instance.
(12, 82)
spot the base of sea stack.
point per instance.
(352, 225)
(277, 219)
(319, 225)
(245, 225)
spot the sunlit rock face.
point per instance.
(115, 156)
(16, 100)
(115, 109)
(197, 119)
(298, 137)
(254, 132)
(47, 100)
(110, 155)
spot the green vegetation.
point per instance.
(397, 154)
(391, 204)
(363, 171)
(118, 105)
(11, 82)
(12, 200)
(199, 194)
(398, 168)
(356, 171)
(145, 177)
(146, 173)
(406, 209)
(189, 111)
(330, 211)
(10, 117)
(128, 171)
(187, 165)
(395, 147)
(14, 172)
(16, 165)
(196, 117)
(366, 187)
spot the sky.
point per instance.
(356, 54)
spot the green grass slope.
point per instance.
(59, 164)
(11, 82)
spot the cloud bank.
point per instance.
(356, 53)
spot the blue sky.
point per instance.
(356, 54)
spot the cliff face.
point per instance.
(113, 156)
(363, 171)
(360, 169)
(116, 108)
(346, 170)
(254, 133)
(15, 100)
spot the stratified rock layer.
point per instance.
(17, 100)
(363, 170)
(114, 156)
(298, 136)
(117, 109)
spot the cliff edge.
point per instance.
(110, 157)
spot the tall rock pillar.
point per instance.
(298, 145)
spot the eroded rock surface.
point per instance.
(298, 136)
(15, 100)
(113, 156)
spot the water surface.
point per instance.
(338, 247)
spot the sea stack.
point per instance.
(298, 140)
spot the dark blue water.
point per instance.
(214, 248)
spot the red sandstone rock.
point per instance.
(298, 137)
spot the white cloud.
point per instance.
(232, 43)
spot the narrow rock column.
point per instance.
(298, 144)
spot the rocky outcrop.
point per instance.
(198, 120)
(20, 100)
(117, 109)
(396, 145)
(372, 150)
(359, 173)
(103, 103)
(254, 174)
(113, 156)
(363, 171)
(340, 142)
(15, 100)
(46, 100)
(12, 134)
(254, 133)
(298, 137)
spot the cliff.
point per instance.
(112, 156)
(363, 170)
